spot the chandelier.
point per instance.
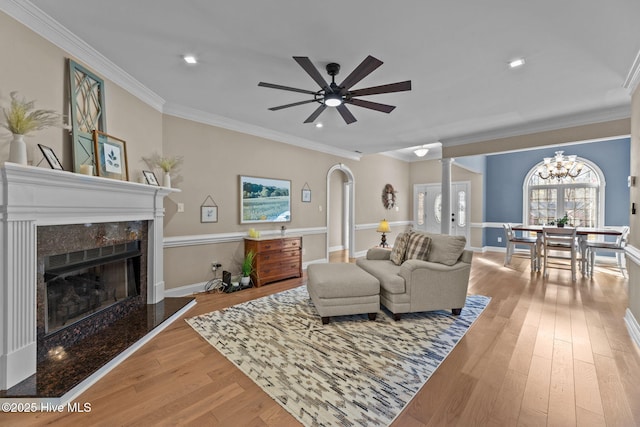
(560, 167)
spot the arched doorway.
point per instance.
(346, 219)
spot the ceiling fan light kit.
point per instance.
(332, 100)
(337, 96)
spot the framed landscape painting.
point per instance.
(264, 200)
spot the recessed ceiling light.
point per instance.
(516, 63)
(319, 125)
(190, 59)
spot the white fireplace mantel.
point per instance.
(31, 197)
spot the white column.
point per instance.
(17, 303)
(155, 259)
(446, 196)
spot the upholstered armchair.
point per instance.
(421, 285)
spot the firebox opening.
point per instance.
(79, 284)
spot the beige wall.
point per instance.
(36, 68)
(213, 160)
(430, 172)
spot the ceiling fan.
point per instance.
(334, 95)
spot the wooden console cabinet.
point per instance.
(276, 259)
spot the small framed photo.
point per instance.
(150, 177)
(49, 154)
(306, 196)
(208, 214)
(111, 156)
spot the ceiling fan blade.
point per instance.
(306, 64)
(292, 89)
(315, 114)
(375, 90)
(292, 105)
(346, 114)
(365, 68)
(372, 105)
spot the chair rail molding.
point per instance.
(633, 254)
(370, 226)
(210, 239)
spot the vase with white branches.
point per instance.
(20, 118)
(168, 165)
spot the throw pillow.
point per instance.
(446, 249)
(399, 248)
(418, 246)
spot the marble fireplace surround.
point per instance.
(31, 197)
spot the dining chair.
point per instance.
(617, 247)
(560, 239)
(512, 240)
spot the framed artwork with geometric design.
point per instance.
(87, 113)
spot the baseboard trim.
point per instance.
(195, 288)
(632, 326)
(185, 291)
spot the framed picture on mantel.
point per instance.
(111, 156)
(51, 157)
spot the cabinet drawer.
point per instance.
(270, 258)
(291, 243)
(269, 245)
(271, 274)
(272, 270)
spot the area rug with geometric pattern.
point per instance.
(350, 372)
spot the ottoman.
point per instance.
(342, 289)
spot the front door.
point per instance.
(428, 208)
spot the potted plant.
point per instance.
(21, 119)
(247, 268)
(561, 222)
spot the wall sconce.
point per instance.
(383, 228)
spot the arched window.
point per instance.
(581, 198)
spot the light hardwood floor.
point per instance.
(544, 353)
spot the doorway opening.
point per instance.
(340, 211)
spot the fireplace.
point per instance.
(73, 295)
(49, 219)
(97, 279)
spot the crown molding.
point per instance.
(633, 78)
(44, 25)
(203, 117)
(554, 123)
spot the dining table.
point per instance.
(583, 234)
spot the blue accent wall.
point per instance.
(505, 174)
(477, 164)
